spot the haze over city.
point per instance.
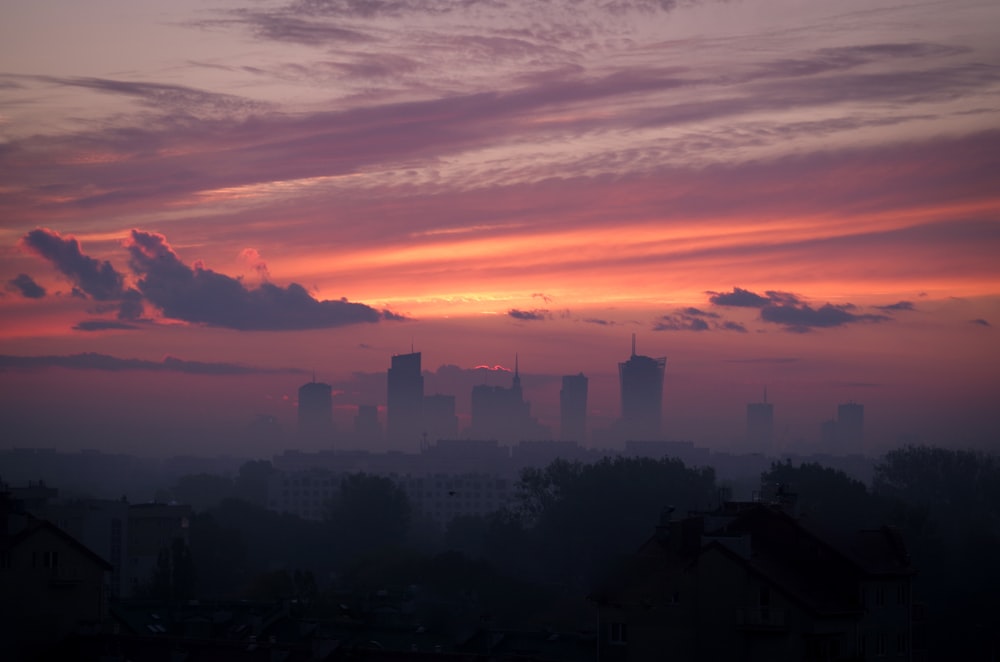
(204, 206)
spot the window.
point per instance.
(50, 559)
(901, 643)
(880, 596)
(903, 594)
(618, 633)
(880, 644)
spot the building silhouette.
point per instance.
(405, 400)
(573, 408)
(760, 425)
(845, 434)
(315, 414)
(502, 413)
(440, 421)
(366, 426)
(641, 380)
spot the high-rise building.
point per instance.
(502, 413)
(315, 415)
(641, 380)
(440, 421)
(760, 425)
(850, 427)
(405, 400)
(366, 427)
(573, 408)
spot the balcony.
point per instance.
(764, 619)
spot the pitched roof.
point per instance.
(35, 526)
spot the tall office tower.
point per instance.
(850, 427)
(366, 427)
(502, 413)
(440, 421)
(642, 395)
(760, 425)
(315, 422)
(405, 401)
(573, 408)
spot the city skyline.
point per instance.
(203, 204)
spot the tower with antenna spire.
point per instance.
(641, 379)
(760, 425)
(502, 413)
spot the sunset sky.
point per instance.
(202, 202)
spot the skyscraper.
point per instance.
(641, 380)
(760, 425)
(405, 400)
(315, 415)
(502, 413)
(573, 408)
(366, 427)
(850, 427)
(440, 421)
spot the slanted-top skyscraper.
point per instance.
(760, 425)
(573, 408)
(405, 400)
(315, 415)
(642, 396)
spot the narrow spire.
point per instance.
(765, 395)
(633, 344)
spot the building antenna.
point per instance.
(765, 395)
(314, 375)
(633, 344)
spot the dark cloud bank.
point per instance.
(790, 312)
(94, 361)
(27, 286)
(190, 293)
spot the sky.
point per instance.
(205, 203)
